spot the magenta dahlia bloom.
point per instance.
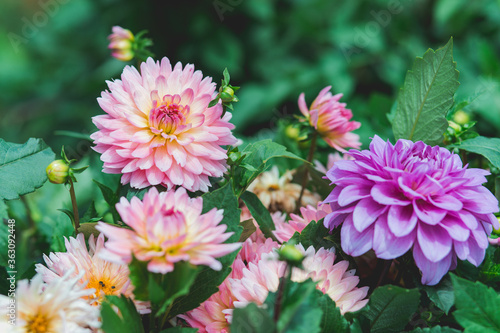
(166, 228)
(412, 196)
(331, 119)
(159, 129)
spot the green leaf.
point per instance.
(332, 321)
(488, 147)
(109, 195)
(435, 329)
(22, 167)
(490, 268)
(4, 233)
(477, 306)
(126, 320)
(441, 294)
(140, 279)
(257, 155)
(180, 330)
(248, 229)
(208, 281)
(252, 319)
(390, 308)
(300, 311)
(426, 97)
(260, 213)
(314, 234)
(88, 229)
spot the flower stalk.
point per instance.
(310, 157)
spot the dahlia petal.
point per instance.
(365, 213)
(355, 243)
(447, 202)
(388, 246)
(352, 193)
(455, 228)
(427, 213)
(432, 272)
(401, 220)
(434, 241)
(387, 194)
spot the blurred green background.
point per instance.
(54, 62)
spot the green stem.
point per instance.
(75, 206)
(281, 291)
(305, 180)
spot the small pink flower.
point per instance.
(286, 229)
(333, 279)
(332, 158)
(331, 119)
(158, 128)
(167, 227)
(121, 41)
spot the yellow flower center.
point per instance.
(103, 286)
(38, 324)
(167, 116)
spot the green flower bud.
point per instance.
(497, 231)
(291, 255)
(227, 95)
(58, 172)
(455, 126)
(461, 117)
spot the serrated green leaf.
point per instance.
(22, 167)
(435, 329)
(260, 214)
(126, 320)
(390, 308)
(252, 319)
(109, 195)
(332, 320)
(208, 281)
(426, 97)
(477, 306)
(442, 294)
(488, 147)
(314, 234)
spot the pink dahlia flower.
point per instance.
(159, 129)
(167, 228)
(333, 279)
(286, 229)
(412, 196)
(331, 119)
(104, 277)
(121, 41)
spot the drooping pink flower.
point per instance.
(332, 158)
(333, 279)
(412, 196)
(167, 227)
(285, 229)
(57, 306)
(331, 119)
(158, 128)
(121, 41)
(104, 277)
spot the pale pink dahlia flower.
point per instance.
(286, 229)
(412, 196)
(332, 279)
(159, 129)
(167, 227)
(96, 273)
(331, 119)
(215, 314)
(54, 307)
(121, 42)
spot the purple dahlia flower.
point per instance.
(411, 196)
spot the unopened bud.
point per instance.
(455, 126)
(461, 117)
(121, 42)
(227, 95)
(58, 172)
(291, 255)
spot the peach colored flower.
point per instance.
(158, 128)
(167, 227)
(279, 193)
(121, 42)
(331, 119)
